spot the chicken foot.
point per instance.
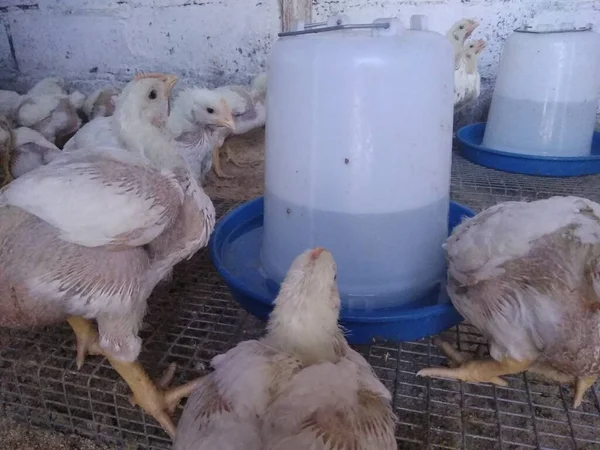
(216, 162)
(465, 368)
(153, 399)
(581, 386)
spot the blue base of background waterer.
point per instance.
(471, 137)
(235, 249)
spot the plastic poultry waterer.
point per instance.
(358, 155)
(546, 93)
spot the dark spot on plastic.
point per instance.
(94, 70)
(289, 211)
(346, 160)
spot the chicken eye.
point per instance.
(462, 27)
(210, 110)
(152, 94)
(335, 277)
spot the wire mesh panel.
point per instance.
(192, 318)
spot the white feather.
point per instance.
(60, 192)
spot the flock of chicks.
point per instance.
(49, 119)
(34, 127)
(90, 233)
(467, 81)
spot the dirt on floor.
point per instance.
(247, 182)
(18, 437)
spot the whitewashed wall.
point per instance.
(217, 41)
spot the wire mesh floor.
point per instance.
(193, 318)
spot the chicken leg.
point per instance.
(157, 402)
(581, 386)
(474, 370)
(216, 162)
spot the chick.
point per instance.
(458, 34)
(101, 103)
(527, 276)
(52, 115)
(300, 387)
(198, 119)
(30, 150)
(194, 120)
(249, 106)
(9, 103)
(48, 86)
(467, 80)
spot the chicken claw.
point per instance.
(155, 401)
(216, 162)
(465, 368)
(581, 386)
(151, 397)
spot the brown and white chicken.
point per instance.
(53, 115)
(29, 151)
(458, 34)
(249, 107)
(101, 103)
(89, 235)
(527, 276)
(467, 80)
(299, 387)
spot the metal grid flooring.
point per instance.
(193, 318)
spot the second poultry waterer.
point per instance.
(358, 155)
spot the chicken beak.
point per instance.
(170, 81)
(474, 24)
(316, 253)
(227, 122)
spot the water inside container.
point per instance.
(383, 259)
(538, 128)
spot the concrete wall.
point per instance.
(218, 41)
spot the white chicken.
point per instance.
(527, 276)
(9, 103)
(300, 387)
(249, 109)
(467, 80)
(458, 34)
(196, 116)
(101, 103)
(52, 115)
(89, 235)
(30, 150)
(48, 86)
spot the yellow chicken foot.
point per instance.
(581, 386)
(231, 157)
(87, 339)
(471, 370)
(157, 402)
(456, 358)
(216, 161)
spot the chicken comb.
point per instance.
(142, 75)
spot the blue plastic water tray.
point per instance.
(471, 137)
(235, 251)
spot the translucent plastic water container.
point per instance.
(546, 93)
(358, 154)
